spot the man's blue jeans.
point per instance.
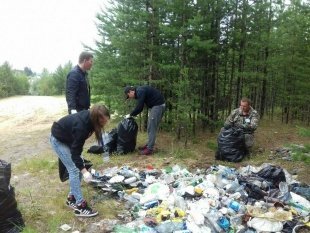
(75, 176)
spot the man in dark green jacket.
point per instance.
(244, 117)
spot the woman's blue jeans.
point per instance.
(75, 176)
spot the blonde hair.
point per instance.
(96, 112)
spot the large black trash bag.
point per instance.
(231, 145)
(5, 175)
(10, 217)
(127, 131)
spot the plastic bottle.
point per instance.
(106, 157)
(224, 223)
(130, 180)
(125, 171)
(234, 205)
(211, 220)
(150, 204)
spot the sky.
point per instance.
(46, 33)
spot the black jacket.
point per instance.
(77, 90)
(149, 96)
(73, 130)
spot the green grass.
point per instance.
(303, 131)
(301, 153)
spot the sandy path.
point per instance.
(25, 123)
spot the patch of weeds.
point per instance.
(303, 132)
(47, 165)
(212, 145)
(181, 153)
(29, 229)
(301, 153)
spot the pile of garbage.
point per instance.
(217, 199)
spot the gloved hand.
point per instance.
(127, 116)
(87, 177)
(73, 111)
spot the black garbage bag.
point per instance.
(5, 175)
(273, 174)
(95, 149)
(231, 146)
(10, 218)
(63, 172)
(127, 131)
(110, 143)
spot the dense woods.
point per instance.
(203, 55)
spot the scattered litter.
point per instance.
(65, 227)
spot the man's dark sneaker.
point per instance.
(71, 202)
(142, 147)
(146, 151)
(83, 210)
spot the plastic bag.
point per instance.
(110, 141)
(273, 174)
(127, 131)
(63, 172)
(10, 217)
(231, 145)
(5, 175)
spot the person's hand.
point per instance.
(73, 111)
(87, 177)
(127, 116)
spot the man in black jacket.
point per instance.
(77, 85)
(155, 101)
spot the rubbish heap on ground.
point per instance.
(217, 199)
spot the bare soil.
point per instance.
(25, 123)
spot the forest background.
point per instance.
(202, 55)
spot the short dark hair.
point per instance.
(128, 89)
(85, 55)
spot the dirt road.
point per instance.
(25, 123)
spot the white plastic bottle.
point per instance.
(106, 157)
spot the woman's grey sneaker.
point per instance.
(71, 202)
(82, 210)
